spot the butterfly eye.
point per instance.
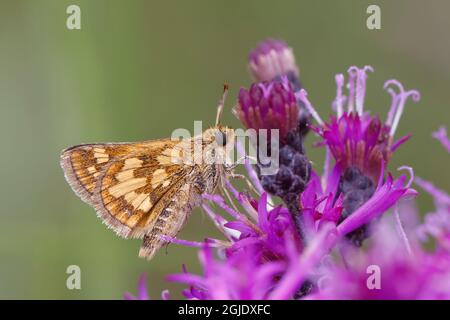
(221, 139)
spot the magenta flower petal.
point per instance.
(270, 59)
(268, 105)
(421, 275)
(142, 290)
(441, 135)
(382, 200)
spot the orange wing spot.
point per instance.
(125, 175)
(158, 177)
(132, 163)
(125, 187)
(137, 201)
(106, 197)
(146, 204)
(112, 207)
(134, 219)
(122, 217)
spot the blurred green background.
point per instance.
(138, 69)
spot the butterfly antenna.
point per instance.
(221, 103)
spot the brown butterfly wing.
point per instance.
(83, 164)
(127, 183)
(133, 192)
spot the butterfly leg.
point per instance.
(225, 193)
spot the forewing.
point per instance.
(127, 183)
(84, 164)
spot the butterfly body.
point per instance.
(148, 189)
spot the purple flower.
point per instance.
(239, 277)
(359, 143)
(437, 224)
(268, 105)
(268, 235)
(385, 197)
(262, 247)
(242, 276)
(386, 271)
(260, 228)
(142, 290)
(300, 249)
(356, 142)
(263, 237)
(273, 105)
(271, 59)
(319, 208)
(354, 137)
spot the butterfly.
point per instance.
(148, 189)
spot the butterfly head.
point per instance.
(219, 137)
(219, 143)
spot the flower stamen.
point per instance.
(302, 96)
(339, 97)
(398, 103)
(411, 174)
